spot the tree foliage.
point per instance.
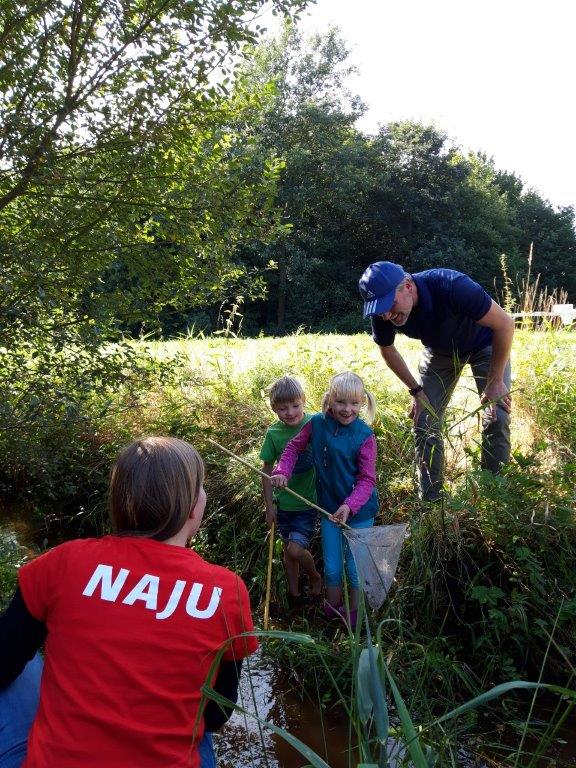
(115, 137)
(309, 123)
(128, 177)
(406, 194)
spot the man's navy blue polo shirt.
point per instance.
(449, 304)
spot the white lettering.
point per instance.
(173, 600)
(146, 590)
(109, 589)
(192, 602)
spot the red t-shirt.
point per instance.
(133, 627)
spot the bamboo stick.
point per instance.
(263, 474)
(269, 576)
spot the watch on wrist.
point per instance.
(416, 390)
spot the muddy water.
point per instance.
(243, 742)
(19, 529)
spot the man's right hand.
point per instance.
(419, 403)
(279, 481)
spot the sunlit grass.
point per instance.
(544, 369)
(482, 581)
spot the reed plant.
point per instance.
(526, 296)
(382, 730)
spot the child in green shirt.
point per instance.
(296, 521)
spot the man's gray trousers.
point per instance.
(439, 374)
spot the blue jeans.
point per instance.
(206, 752)
(18, 705)
(335, 551)
(297, 526)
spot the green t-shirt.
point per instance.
(303, 480)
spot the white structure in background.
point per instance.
(565, 312)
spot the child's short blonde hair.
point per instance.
(154, 485)
(285, 390)
(348, 384)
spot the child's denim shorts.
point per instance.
(297, 526)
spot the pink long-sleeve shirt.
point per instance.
(365, 478)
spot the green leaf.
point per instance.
(493, 693)
(364, 688)
(371, 692)
(408, 728)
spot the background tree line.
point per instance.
(405, 194)
(157, 163)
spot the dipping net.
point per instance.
(376, 551)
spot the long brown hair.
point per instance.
(154, 485)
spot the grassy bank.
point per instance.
(486, 587)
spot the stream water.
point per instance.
(268, 693)
(245, 743)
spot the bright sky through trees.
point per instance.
(498, 76)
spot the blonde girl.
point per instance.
(344, 455)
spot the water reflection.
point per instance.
(244, 743)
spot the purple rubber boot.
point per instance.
(331, 612)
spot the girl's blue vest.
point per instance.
(335, 449)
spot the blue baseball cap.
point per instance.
(378, 286)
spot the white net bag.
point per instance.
(376, 552)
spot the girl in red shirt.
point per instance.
(131, 625)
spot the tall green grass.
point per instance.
(483, 583)
(382, 731)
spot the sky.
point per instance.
(497, 76)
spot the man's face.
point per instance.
(402, 306)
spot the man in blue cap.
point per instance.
(458, 323)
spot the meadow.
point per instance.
(485, 592)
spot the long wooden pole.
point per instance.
(263, 474)
(269, 575)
